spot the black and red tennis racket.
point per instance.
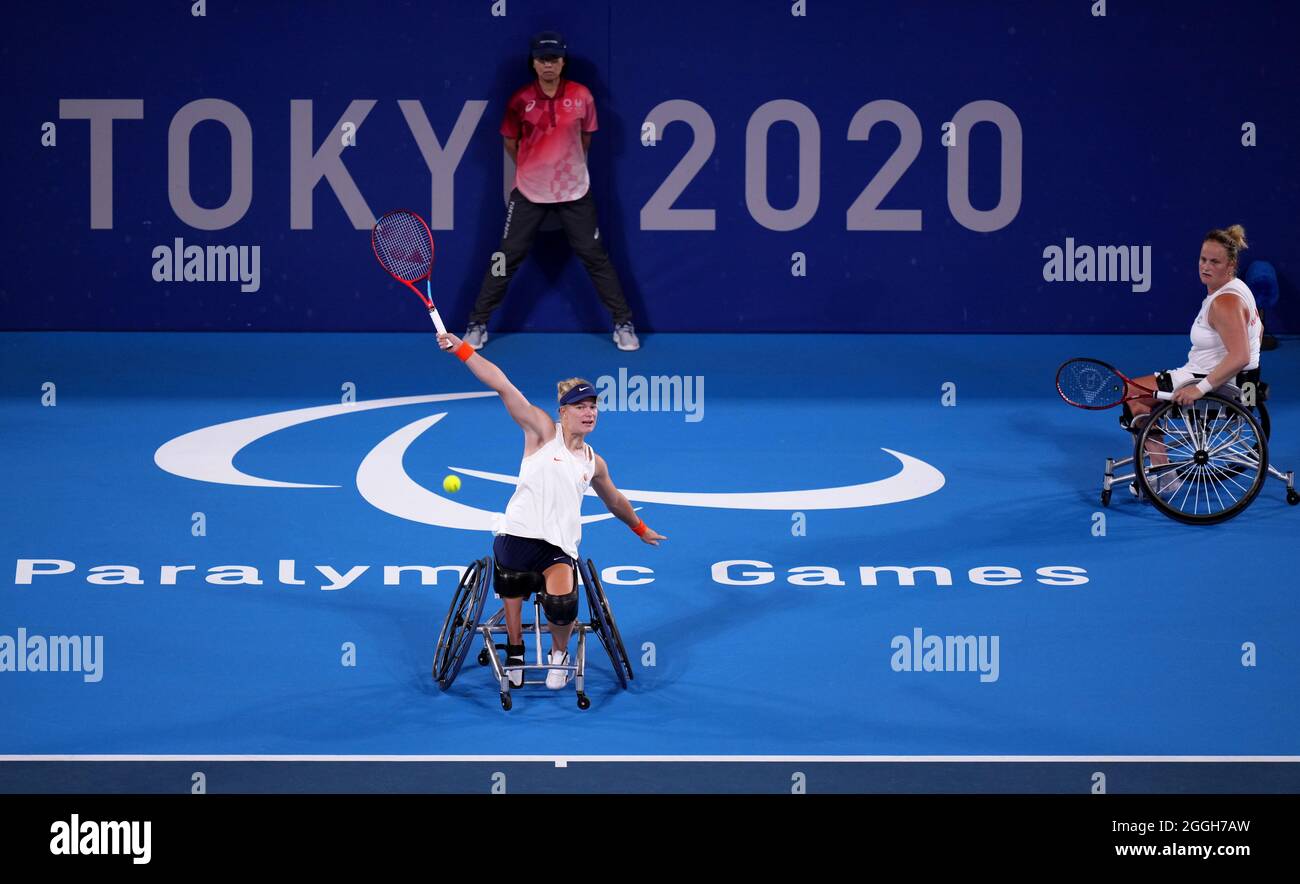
(404, 247)
(1095, 385)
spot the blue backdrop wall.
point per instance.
(761, 165)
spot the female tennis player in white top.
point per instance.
(543, 519)
(1226, 332)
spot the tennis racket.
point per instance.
(404, 247)
(1092, 384)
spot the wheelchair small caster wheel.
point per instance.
(583, 702)
(1292, 496)
(1105, 497)
(483, 657)
(506, 702)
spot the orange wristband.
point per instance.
(639, 528)
(464, 352)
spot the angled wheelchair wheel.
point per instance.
(1202, 463)
(602, 620)
(459, 629)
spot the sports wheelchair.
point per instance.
(1206, 462)
(463, 624)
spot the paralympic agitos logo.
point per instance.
(208, 455)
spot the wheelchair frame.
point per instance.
(1219, 440)
(463, 625)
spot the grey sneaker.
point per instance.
(1168, 483)
(625, 337)
(476, 335)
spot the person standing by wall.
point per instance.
(547, 131)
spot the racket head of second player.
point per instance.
(1092, 384)
(403, 244)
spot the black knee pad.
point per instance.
(512, 584)
(561, 610)
(1134, 423)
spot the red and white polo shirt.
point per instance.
(550, 166)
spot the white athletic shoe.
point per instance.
(557, 678)
(476, 335)
(625, 336)
(516, 676)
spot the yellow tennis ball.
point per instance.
(451, 483)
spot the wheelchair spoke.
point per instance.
(1204, 427)
(1185, 484)
(1222, 478)
(1207, 487)
(1245, 460)
(1210, 487)
(1204, 487)
(1168, 478)
(1193, 423)
(1216, 442)
(1229, 475)
(1215, 483)
(1236, 454)
(1182, 437)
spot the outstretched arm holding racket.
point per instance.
(537, 425)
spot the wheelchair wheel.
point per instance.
(1203, 463)
(458, 630)
(602, 620)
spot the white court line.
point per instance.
(551, 759)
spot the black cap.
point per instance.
(548, 43)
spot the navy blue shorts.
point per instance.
(528, 553)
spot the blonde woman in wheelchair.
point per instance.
(1225, 338)
(543, 523)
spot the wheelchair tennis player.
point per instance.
(1225, 334)
(543, 519)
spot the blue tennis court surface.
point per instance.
(760, 629)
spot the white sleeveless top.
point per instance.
(1207, 347)
(547, 503)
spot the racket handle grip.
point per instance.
(437, 321)
(1162, 395)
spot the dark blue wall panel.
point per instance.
(1132, 128)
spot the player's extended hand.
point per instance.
(1187, 395)
(652, 537)
(448, 341)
